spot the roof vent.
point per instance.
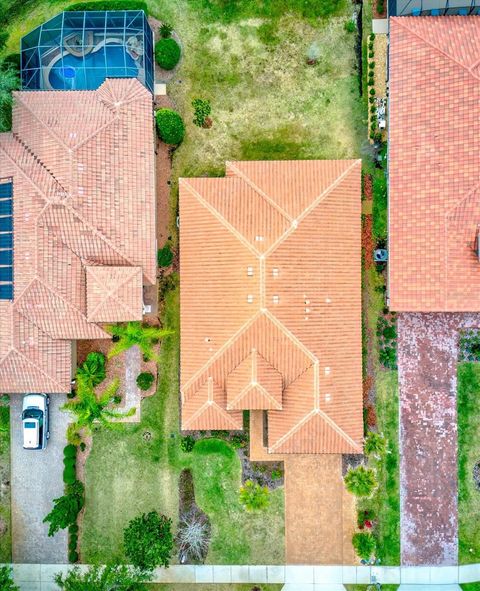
(276, 299)
(250, 271)
(250, 298)
(275, 271)
(259, 238)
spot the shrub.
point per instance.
(371, 55)
(69, 462)
(3, 38)
(360, 481)
(372, 37)
(165, 30)
(371, 65)
(202, 110)
(73, 436)
(110, 5)
(66, 508)
(73, 556)
(253, 496)
(70, 451)
(276, 474)
(12, 62)
(372, 92)
(350, 26)
(6, 579)
(72, 542)
(148, 541)
(364, 545)
(92, 370)
(375, 444)
(73, 529)
(83, 446)
(170, 127)
(167, 53)
(370, 46)
(239, 440)
(388, 357)
(193, 535)
(371, 81)
(187, 443)
(101, 578)
(164, 256)
(69, 475)
(145, 380)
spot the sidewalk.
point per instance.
(39, 577)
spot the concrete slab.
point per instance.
(222, 574)
(25, 573)
(363, 575)
(298, 574)
(386, 575)
(204, 573)
(418, 575)
(275, 574)
(258, 573)
(327, 574)
(349, 575)
(469, 573)
(380, 26)
(240, 574)
(443, 575)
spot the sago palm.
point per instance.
(360, 481)
(135, 333)
(90, 407)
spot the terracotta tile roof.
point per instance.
(82, 165)
(271, 304)
(434, 205)
(114, 294)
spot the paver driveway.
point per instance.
(36, 480)
(427, 373)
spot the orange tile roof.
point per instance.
(434, 206)
(82, 165)
(114, 294)
(271, 302)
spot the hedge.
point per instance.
(69, 475)
(73, 556)
(69, 462)
(70, 451)
(73, 529)
(167, 53)
(110, 5)
(170, 126)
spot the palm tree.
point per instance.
(135, 333)
(8, 81)
(375, 444)
(360, 481)
(88, 407)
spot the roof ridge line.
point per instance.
(259, 191)
(438, 50)
(95, 133)
(290, 335)
(313, 205)
(42, 123)
(26, 177)
(222, 350)
(32, 363)
(55, 293)
(214, 211)
(293, 430)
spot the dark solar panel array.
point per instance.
(6, 240)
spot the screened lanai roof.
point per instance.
(433, 7)
(79, 50)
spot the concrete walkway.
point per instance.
(39, 577)
(37, 479)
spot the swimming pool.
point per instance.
(88, 72)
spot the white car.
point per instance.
(35, 421)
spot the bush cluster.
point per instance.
(360, 481)
(170, 126)
(145, 380)
(148, 541)
(201, 110)
(164, 256)
(69, 462)
(167, 53)
(187, 443)
(364, 544)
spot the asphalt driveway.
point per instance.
(36, 480)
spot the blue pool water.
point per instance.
(89, 72)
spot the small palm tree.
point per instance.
(253, 496)
(88, 407)
(360, 481)
(375, 444)
(135, 333)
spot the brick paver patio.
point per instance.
(427, 371)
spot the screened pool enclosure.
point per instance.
(78, 50)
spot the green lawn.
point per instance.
(126, 475)
(5, 517)
(468, 455)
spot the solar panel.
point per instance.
(6, 224)
(5, 206)
(6, 190)
(6, 274)
(6, 292)
(6, 257)
(6, 240)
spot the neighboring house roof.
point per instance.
(434, 159)
(270, 261)
(82, 165)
